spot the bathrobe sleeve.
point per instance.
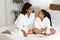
(36, 23)
(32, 21)
(48, 26)
(19, 22)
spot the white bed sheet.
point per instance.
(17, 36)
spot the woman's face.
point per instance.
(40, 14)
(30, 10)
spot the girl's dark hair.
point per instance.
(25, 7)
(47, 14)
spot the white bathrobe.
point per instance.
(42, 24)
(25, 23)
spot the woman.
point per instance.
(43, 24)
(26, 19)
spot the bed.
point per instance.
(17, 35)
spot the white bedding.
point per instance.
(17, 35)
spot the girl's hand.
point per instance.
(43, 29)
(37, 31)
(24, 33)
(30, 31)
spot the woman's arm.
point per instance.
(19, 24)
(24, 33)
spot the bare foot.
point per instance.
(6, 32)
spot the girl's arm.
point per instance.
(37, 31)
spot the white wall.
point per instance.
(57, 1)
(2, 13)
(40, 4)
(10, 16)
(6, 17)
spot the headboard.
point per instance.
(55, 6)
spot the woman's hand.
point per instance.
(24, 33)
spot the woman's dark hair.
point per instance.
(25, 7)
(47, 14)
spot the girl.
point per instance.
(43, 24)
(26, 19)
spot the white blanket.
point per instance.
(17, 35)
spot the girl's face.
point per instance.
(30, 10)
(40, 14)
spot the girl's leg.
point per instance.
(52, 31)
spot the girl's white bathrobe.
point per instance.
(42, 24)
(24, 22)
